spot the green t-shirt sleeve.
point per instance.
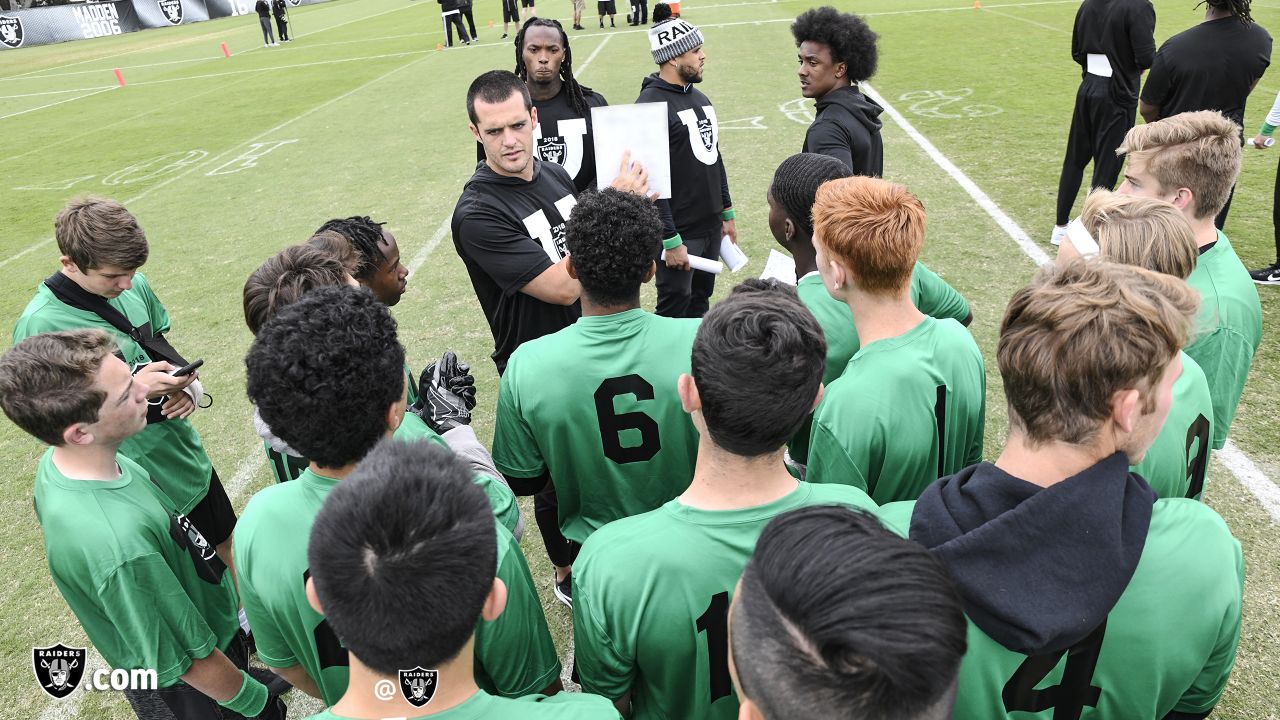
(515, 451)
(605, 667)
(272, 648)
(830, 461)
(1225, 357)
(1204, 694)
(157, 625)
(934, 297)
(501, 499)
(515, 652)
(155, 311)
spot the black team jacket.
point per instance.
(1124, 31)
(847, 126)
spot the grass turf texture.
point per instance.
(376, 124)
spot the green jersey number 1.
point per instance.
(715, 623)
(1070, 697)
(613, 423)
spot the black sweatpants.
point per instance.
(450, 21)
(267, 37)
(687, 293)
(546, 510)
(183, 702)
(471, 21)
(640, 12)
(282, 26)
(1098, 126)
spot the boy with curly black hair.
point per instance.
(836, 52)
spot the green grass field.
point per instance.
(361, 115)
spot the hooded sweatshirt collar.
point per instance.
(655, 80)
(1037, 568)
(850, 98)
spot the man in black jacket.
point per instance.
(1113, 42)
(836, 52)
(282, 21)
(263, 9)
(700, 210)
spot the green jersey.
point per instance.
(1228, 330)
(285, 467)
(271, 565)
(651, 596)
(1176, 462)
(482, 706)
(930, 293)
(146, 586)
(170, 451)
(907, 410)
(1169, 643)
(614, 372)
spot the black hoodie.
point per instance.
(1124, 31)
(507, 232)
(699, 186)
(1038, 569)
(846, 126)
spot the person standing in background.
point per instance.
(1113, 42)
(282, 21)
(1270, 275)
(464, 8)
(264, 19)
(451, 11)
(639, 13)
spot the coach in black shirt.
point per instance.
(508, 226)
(1211, 66)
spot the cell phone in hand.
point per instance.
(187, 369)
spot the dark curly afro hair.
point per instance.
(851, 41)
(613, 238)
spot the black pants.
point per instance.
(1275, 214)
(546, 511)
(450, 21)
(640, 12)
(183, 702)
(471, 21)
(1098, 126)
(282, 26)
(687, 293)
(267, 37)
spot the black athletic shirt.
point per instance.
(699, 186)
(1188, 71)
(1124, 31)
(507, 231)
(561, 139)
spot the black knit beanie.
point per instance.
(796, 181)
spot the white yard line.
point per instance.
(1233, 458)
(60, 102)
(1028, 21)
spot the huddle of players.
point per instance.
(673, 615)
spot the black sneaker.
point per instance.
(276, 685)
(601, 24)
(564, 589)
(1267, 275)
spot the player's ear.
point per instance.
(68, 264)
(821, 389)
(495, 602)
(533, 117)
(569, 267)
(788, 230)
(747, 710)
(77, 434)
(1184, 199)
(395, 413)
(475, 132)
(312, 598)
(688, 391)
(1126, 406)
(653, 270)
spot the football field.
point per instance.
(226, 160)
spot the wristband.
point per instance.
(251, 700)
(672, 242)
(1267, 129)
(728, 214)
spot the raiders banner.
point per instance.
(85, 21)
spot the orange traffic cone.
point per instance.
(977, 4)
(490, 23)
(439, 47)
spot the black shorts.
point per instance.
(606, 7)
(213, 516)
(510, 11)
(526, 3)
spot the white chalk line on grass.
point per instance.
(1029, 21)
(1233, 458)
(52, 104)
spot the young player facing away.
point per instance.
(1153, 234)
(869, 627)
(593, 409)
(404, 571)
(652, 592)
(910, 406)
(325, 375)
(145, 585)
(790, 197)
(1086, 595)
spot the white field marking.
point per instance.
(42, 107)
(35, 246)
(750, 123)
(248, 467)
(57, 92)
(1029, 21)
(425, 251)
(930, 103)
(1233, 458)
(984, 201)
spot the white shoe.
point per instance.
(1059, 232)
(275, 44)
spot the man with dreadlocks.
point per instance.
(1182, 78)
(563, 133)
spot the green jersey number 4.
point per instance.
(1068, 698)
(613, 423)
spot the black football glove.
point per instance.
(446, 394)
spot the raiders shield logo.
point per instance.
(418, 685)
(58, 669)
(295, 3)
(552, 149)
(203, 556)
(11, 31)
(172, 10)
(707, 133)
